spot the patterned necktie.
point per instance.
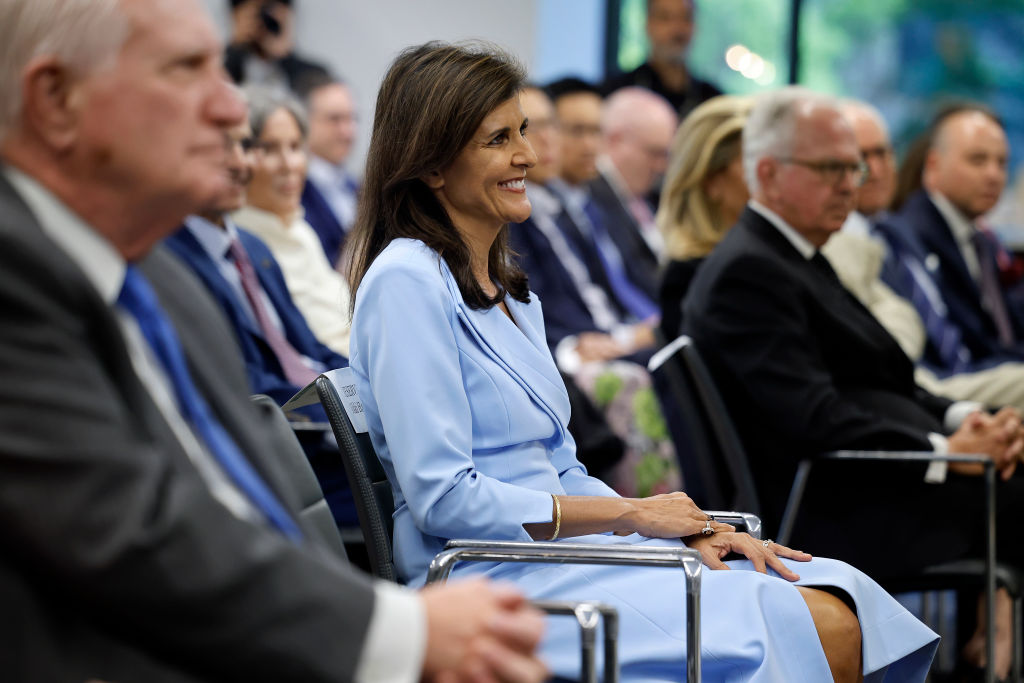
(138, 299)
(910, 278)
(295, 371)
(991, 292)
(631, 296)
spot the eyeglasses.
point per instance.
(832, 172)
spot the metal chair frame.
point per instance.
(680, 361)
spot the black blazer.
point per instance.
(676, 279)
(641, 263)
(115, 560)
(801, 364)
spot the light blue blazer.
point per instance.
(468, 470)
(467, 413)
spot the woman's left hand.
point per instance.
(715, 547)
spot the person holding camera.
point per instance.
(262, 43)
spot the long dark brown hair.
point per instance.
(432, 100)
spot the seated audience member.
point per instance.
(595, 344)
(470, 421)
(703, 196)
(804, 367)
(262, 43)
(637, 128)
(964, 172)
(281, 354)
(861, 257)
(280, 351)
(596, 236)
(146, 531)
(331, 192)
(670, 25)
(274, 214)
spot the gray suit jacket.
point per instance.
(115, 561)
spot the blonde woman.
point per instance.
(703, 195)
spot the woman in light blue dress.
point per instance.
(468, 414)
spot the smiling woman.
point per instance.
(468, 413)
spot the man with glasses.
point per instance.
(886, 269)
(804, 368)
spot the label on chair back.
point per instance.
(345, 383)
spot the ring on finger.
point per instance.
(767, 542)
(707, 530)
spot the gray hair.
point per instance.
(83, 34)
(852, 108)
(264, 101)
(771, 129)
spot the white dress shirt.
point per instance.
(318, 290)
(396, 638)
(955, 414)
(963, 231)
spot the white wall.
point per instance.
(358, 38)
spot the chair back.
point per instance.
(714, 463)
(371, 490)
(314, 510)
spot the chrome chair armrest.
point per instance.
(804, 471)
(540, 552)
(749, 522)
(588, 615)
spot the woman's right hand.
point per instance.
(669, 515)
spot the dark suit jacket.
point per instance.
(641, 263)
(801, 364)
(261, 365)
(115, 560)
(646, 77)
(565, 313)
(324, 222)
(676, 279)
(922, 219)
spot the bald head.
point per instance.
(875, 148)
(637, 126)
(967, 161)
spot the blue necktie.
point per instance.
(138, 298)
(907, 275)
(631, 296)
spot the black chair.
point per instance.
(374, 504)
(588, 615)
(300, 474)
(719, 460)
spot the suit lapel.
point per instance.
(518, 348)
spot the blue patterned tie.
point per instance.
(631, 296)
(138, 298)
(905, 273)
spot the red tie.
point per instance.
(295, 371)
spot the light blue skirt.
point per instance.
(754, 627)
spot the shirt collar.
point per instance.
(102, 264)
(542, 200)
(215, 240)
(962, 227)
(575, 196)
(325, 173)
(798, 241)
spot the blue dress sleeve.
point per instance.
(407, 363)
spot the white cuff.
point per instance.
(958, 412)
(936, 472)
(396, 641)
(566, 356)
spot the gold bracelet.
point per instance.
(558, 517)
